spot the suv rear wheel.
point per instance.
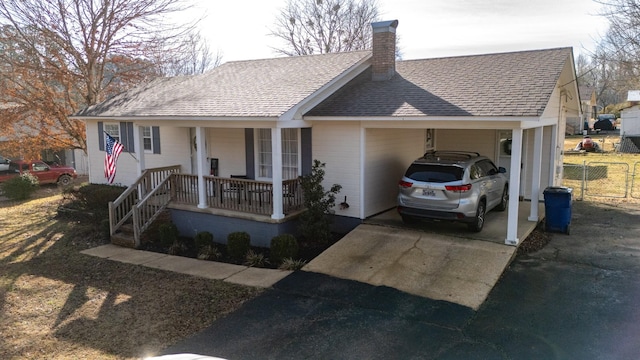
(478, 221)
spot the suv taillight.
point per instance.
(459, 188)
(405, 184)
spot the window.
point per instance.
(264, 153)
(147, 139)
(113, 130)
(40, 166)
(290, 153)
(123, 132)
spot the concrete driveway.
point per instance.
(440, 261)
(575, 299)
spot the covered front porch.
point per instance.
(188, 195)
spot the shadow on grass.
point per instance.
(120, 309)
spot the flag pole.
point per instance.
(135, 158)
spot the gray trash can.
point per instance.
(557, 207)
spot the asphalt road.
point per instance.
(578, 298)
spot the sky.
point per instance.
(240, 29)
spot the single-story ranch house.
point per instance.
(223, 151)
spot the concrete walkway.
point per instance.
(439, 261)
(236, 274)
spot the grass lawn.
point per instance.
(56, 303)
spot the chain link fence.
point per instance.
(603, 179)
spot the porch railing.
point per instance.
(241, 195)
(143, 201)
(121, 209)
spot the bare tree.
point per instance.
(58, 56)
(617, 59)
(325, 26)
(196, 58)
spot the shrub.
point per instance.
(168, 234)
(203, 239)
(177, 248)
(209, 252)
(19, 187)
(315, 223)
(238, 244)
(291, 264)
(283, 246)
(92, 198)
(254, 259)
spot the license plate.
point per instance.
(428, 192)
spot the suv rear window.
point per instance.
(434, 173)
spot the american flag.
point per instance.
(113, 149)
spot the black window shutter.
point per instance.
(100, 136)
(307, 155)
(126, 136)
(249, 159)
(155, 135)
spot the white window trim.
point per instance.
(150, 151)
(117, 125)
(256, 154)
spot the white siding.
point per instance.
(481, 141)
(630, 122)
(388, 154)
(174, 148)
(338, 146)
(228, 146)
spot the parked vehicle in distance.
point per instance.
(452, 185)
(4, 163)
(605, 122)
(63, 175)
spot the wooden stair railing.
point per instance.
(152, 181)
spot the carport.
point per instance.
(436, 260)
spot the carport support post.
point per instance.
(514, 188)
(537, 170)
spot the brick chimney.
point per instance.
(384, 49)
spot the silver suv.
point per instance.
(452, 185)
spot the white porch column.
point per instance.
(514, 188)
(276, 167)
(138, 143)
(201, 159)
(138, 135)
(535, 177)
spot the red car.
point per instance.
(46, 174)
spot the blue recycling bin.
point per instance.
(557, 206)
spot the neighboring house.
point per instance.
(364, 114)
(630, 124)
(588, 108)
(75, 158)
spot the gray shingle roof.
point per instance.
(262, 88)
(506, 84)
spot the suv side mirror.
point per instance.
(502, 170)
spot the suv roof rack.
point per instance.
(451, 154)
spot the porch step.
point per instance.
(124, 240)
(126, 229)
